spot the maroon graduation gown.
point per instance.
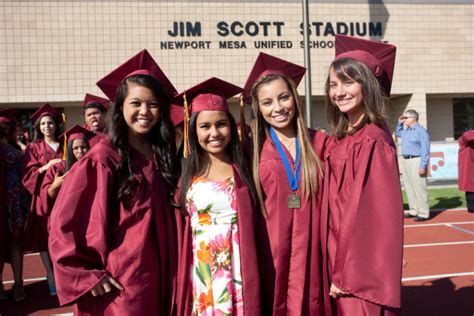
(466, 162)
(99, 135)
(362, 224)
(289, 245)
(37, 154)
(92, 236)
(3, 198)
(247, 218)
(46, 203)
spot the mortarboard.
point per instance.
(7, 116)
(176, 114)
(140, 64)
(90, 98)
(266, 65)
(378, 56)
(46, 109)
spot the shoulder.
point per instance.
(103, 153)
(372, 133)
(34, 144)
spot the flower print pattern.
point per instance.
(216, 273)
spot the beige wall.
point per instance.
(55, 51)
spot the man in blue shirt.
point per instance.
(414, 166)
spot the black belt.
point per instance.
(410, 156)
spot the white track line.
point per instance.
(26, 280)
(31, 254)
(439, 244)
(438, 224)
(437, 276)
(437, 210)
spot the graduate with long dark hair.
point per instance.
(77, 146)
(287, 173)
(113, 234)
(362, 219)
(218, 273)
(45, 151)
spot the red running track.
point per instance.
(438, 278)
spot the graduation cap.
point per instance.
(209, 95)
(6, 116)
(91, 99)
(378, 56)
(44, 110)
(140, 64)
(76, 132)
(269, 65)
(176, 114)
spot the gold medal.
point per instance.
(294, 201)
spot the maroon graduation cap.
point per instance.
(266, 65)
(44, 110)
(90, 98)
(6, 116)
(140, 64)
(176, 114)
(209, 95)
(378, 56)
(78, 132)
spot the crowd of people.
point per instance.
(174, 208)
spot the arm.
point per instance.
(399, 129)
(79, 226)
(425, 148)
(369, 255)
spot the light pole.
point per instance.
(307, 64)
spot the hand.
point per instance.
(421, 171)
(49, 164)
(402, 119)
(56, 185)
(336, 293)
(106, 286)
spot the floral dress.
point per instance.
(216, 275)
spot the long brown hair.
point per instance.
(311, 165)
(373, 101)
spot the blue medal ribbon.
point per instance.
(293, 179)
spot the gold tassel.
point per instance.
(243, 127)
(65, 137)
(186, 149)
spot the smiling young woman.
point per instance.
(362, 213)
(113, 233)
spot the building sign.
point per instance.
(262, 34)
(443, 161)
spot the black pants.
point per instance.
(470, 201)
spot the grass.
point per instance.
(444, 198)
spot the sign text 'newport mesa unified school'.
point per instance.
(190, 34)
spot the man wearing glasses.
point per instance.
(416, 155)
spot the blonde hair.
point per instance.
(310, 163)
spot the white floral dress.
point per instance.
(216, 274)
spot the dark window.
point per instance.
(463, 115)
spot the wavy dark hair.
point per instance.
(70, 158)
(373, 101)
(191, 164)
(161, 137)
(39, 135)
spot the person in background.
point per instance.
(14, 204)
(77, 146)
(113, 237)
(40, 155)
(416, 156)
(218, 267)
(362, 217)
(466, 167)
(94, 109)
(287, 173)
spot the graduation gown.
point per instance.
(37, 154)
(92, 235)
(289, 256)
(99, 135)
(46, 203)
(247, 218)
(362, 224)
(466, 162)
(3, 198)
